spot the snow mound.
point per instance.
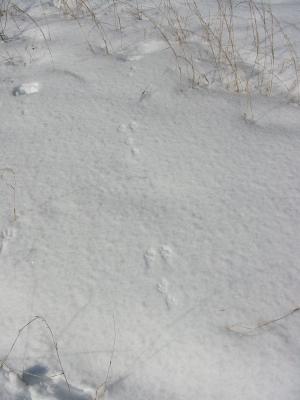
(34, 384)
(26, 88)
(140, 50)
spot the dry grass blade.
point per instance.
(101, 389)
(44, 321)
(21, 11)
(243, 329)
(75, 12)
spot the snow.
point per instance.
(26, 88)
(156, 223)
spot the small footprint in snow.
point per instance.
(5, 236)
(135, 151)
(166, 253)
(122, 128)
(157, 262)
(163, 288)
(126, 129)
(149, 257)
(133, 125)
(129, 141)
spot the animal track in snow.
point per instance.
(135, 151)
(157, 262)
(122, 128)
(149, 257)
(133, 125)
(166, 253)
(5, 236)
(163, 288)
(129, 141)
(126, 129)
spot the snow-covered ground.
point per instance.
(156, 226)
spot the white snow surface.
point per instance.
(155, 228)
(26, 88)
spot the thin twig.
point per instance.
(101, 389)
(34, 319)
(236, 328)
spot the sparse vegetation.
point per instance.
(29, 374)
(206, 45)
